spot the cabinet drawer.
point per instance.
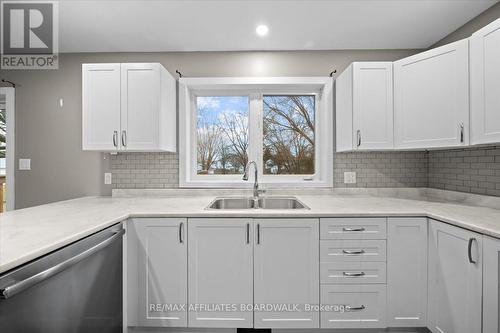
(353, 272)
(353, 306)
(353, 228)
(352, 250)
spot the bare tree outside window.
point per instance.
(288, 142)
(222, 134)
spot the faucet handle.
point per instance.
(262, 191)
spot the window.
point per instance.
(285, 125)
(222, 134)
(288, 137)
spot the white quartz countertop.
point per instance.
(27, 234)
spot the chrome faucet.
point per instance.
(256, 191)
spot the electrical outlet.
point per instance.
(107, 178)
(350, 177)
(24, 164)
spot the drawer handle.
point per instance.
(353, 229)
(353, 251)
(355, 308)
(350, 274)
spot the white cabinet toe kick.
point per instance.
(220, 274)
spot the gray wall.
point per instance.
(472, 26)
(51, 136)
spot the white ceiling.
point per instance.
(229, 25)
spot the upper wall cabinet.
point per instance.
(128, 107)
(485, 84)
(431, 98)
(364, 107)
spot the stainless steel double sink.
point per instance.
(267, 202)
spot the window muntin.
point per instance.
(288, 134)
(222, 136)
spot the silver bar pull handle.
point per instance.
(17, 287)
(355, 308)
(353, 252)
(358, 137)
(248, 233)
(115, 139)
(469, 251)
(181, 232)
(353, 229)
(124, 138)
(462, 134)
(258, 233)
(351, 274)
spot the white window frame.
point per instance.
(255, 88)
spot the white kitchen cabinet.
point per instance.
(353, 250)
(157, 272)
(353, 228)
(455, 279)
(491, 285)
(485, 84)
(128, 107)
(220, 271)
(431, 98)
(407, 272)
(364, 107)
(101, 106)
(286, 271)
(353, 306)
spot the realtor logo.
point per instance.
(29, 38)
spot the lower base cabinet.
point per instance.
(156, 272)
(220, 272)
(287, 272)
(353, 306)
(491, 285)
(277, 273)
(407, 272)
(455, 279)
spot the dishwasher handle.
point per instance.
(19, 286)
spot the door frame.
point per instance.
(10, 157)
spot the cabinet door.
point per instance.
(220, 272)
(407, 272)
(485, 84)
(286, 271)
(491, 285)
(431, 98)
(140, 106)
(372, 105)
(161, 268)
(455, 279)
(100, 106)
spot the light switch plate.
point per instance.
(107, 178)
(25, 164)
(350, 177)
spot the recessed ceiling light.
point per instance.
(262, 30)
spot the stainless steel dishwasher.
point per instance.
(75, 289)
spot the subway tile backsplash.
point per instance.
(471, 170)
(382, 169)
(145, 170)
